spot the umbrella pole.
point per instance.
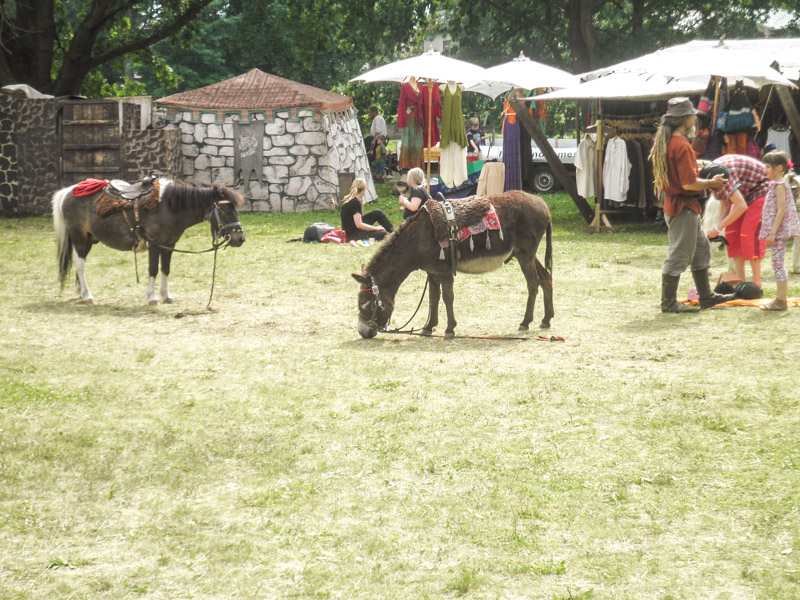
(429, 84)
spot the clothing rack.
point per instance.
(600, 221)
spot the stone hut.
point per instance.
(284, 146)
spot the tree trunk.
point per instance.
(28, 51)
(582, 38)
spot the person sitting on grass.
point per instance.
(418, 196)
(361, 227)
(779, 222)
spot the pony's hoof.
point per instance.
(89, 302)
(544, 325)
(523, 328)
(449, 335)
(169, 301)
(427, 332)
(153, 302)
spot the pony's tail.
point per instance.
(62, 237)
(548, 253)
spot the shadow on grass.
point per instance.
(388, 342)
(661, 322)
(76, 307)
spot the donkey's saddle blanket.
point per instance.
(119, 196)
(474, 214)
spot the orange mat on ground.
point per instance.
(790, 302)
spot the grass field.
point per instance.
(266, 451)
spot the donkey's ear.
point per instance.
(360, 279)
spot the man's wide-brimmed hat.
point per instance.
(680, 107)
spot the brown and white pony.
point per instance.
(180, 206)
(524, 219)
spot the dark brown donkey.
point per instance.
(524, 220)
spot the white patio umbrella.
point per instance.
(526, 74)
(431, 66)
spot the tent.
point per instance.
(702, 57)
(285, 146)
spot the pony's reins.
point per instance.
(220, 239)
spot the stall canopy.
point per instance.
(685, 69)
(626, 86)
(697, 60)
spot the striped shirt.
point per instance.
(748, 176)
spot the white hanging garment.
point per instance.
(780, 137)
(616, 171)
(453, 165)
(586, 166)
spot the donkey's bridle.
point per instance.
(378, 304)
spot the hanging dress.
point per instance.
(409, 121)
(511, 156)
(453, 160)
(431, 110)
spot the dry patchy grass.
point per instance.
(265, 451)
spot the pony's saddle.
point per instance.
(117, 188)
(119, 196)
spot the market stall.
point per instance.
(627, 102)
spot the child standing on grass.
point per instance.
(779, 222)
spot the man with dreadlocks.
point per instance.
(675, 174)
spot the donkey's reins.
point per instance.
(401, 330)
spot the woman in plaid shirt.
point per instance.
(742, 199)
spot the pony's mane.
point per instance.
(183, 195)
(383, 249)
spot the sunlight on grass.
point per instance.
(265, 451)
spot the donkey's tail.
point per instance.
(548, 253)
(62, 237)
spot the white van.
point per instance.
(544, 181)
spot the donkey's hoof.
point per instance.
(169, 301)
(427, 332)
(523, 327)
(449, 335)
(545, 325)
(153, 302)
(89, 302)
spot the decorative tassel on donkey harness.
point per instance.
(455, 234)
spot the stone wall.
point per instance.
(155, 150)
(28, 155)
(303, 153)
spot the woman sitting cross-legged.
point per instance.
(361, 227)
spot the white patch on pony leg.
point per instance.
(152, 298)
(166, 297)
(80, 272)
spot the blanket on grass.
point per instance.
(790, 302)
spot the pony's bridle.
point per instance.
(222, 230)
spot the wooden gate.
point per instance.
(91, 140)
